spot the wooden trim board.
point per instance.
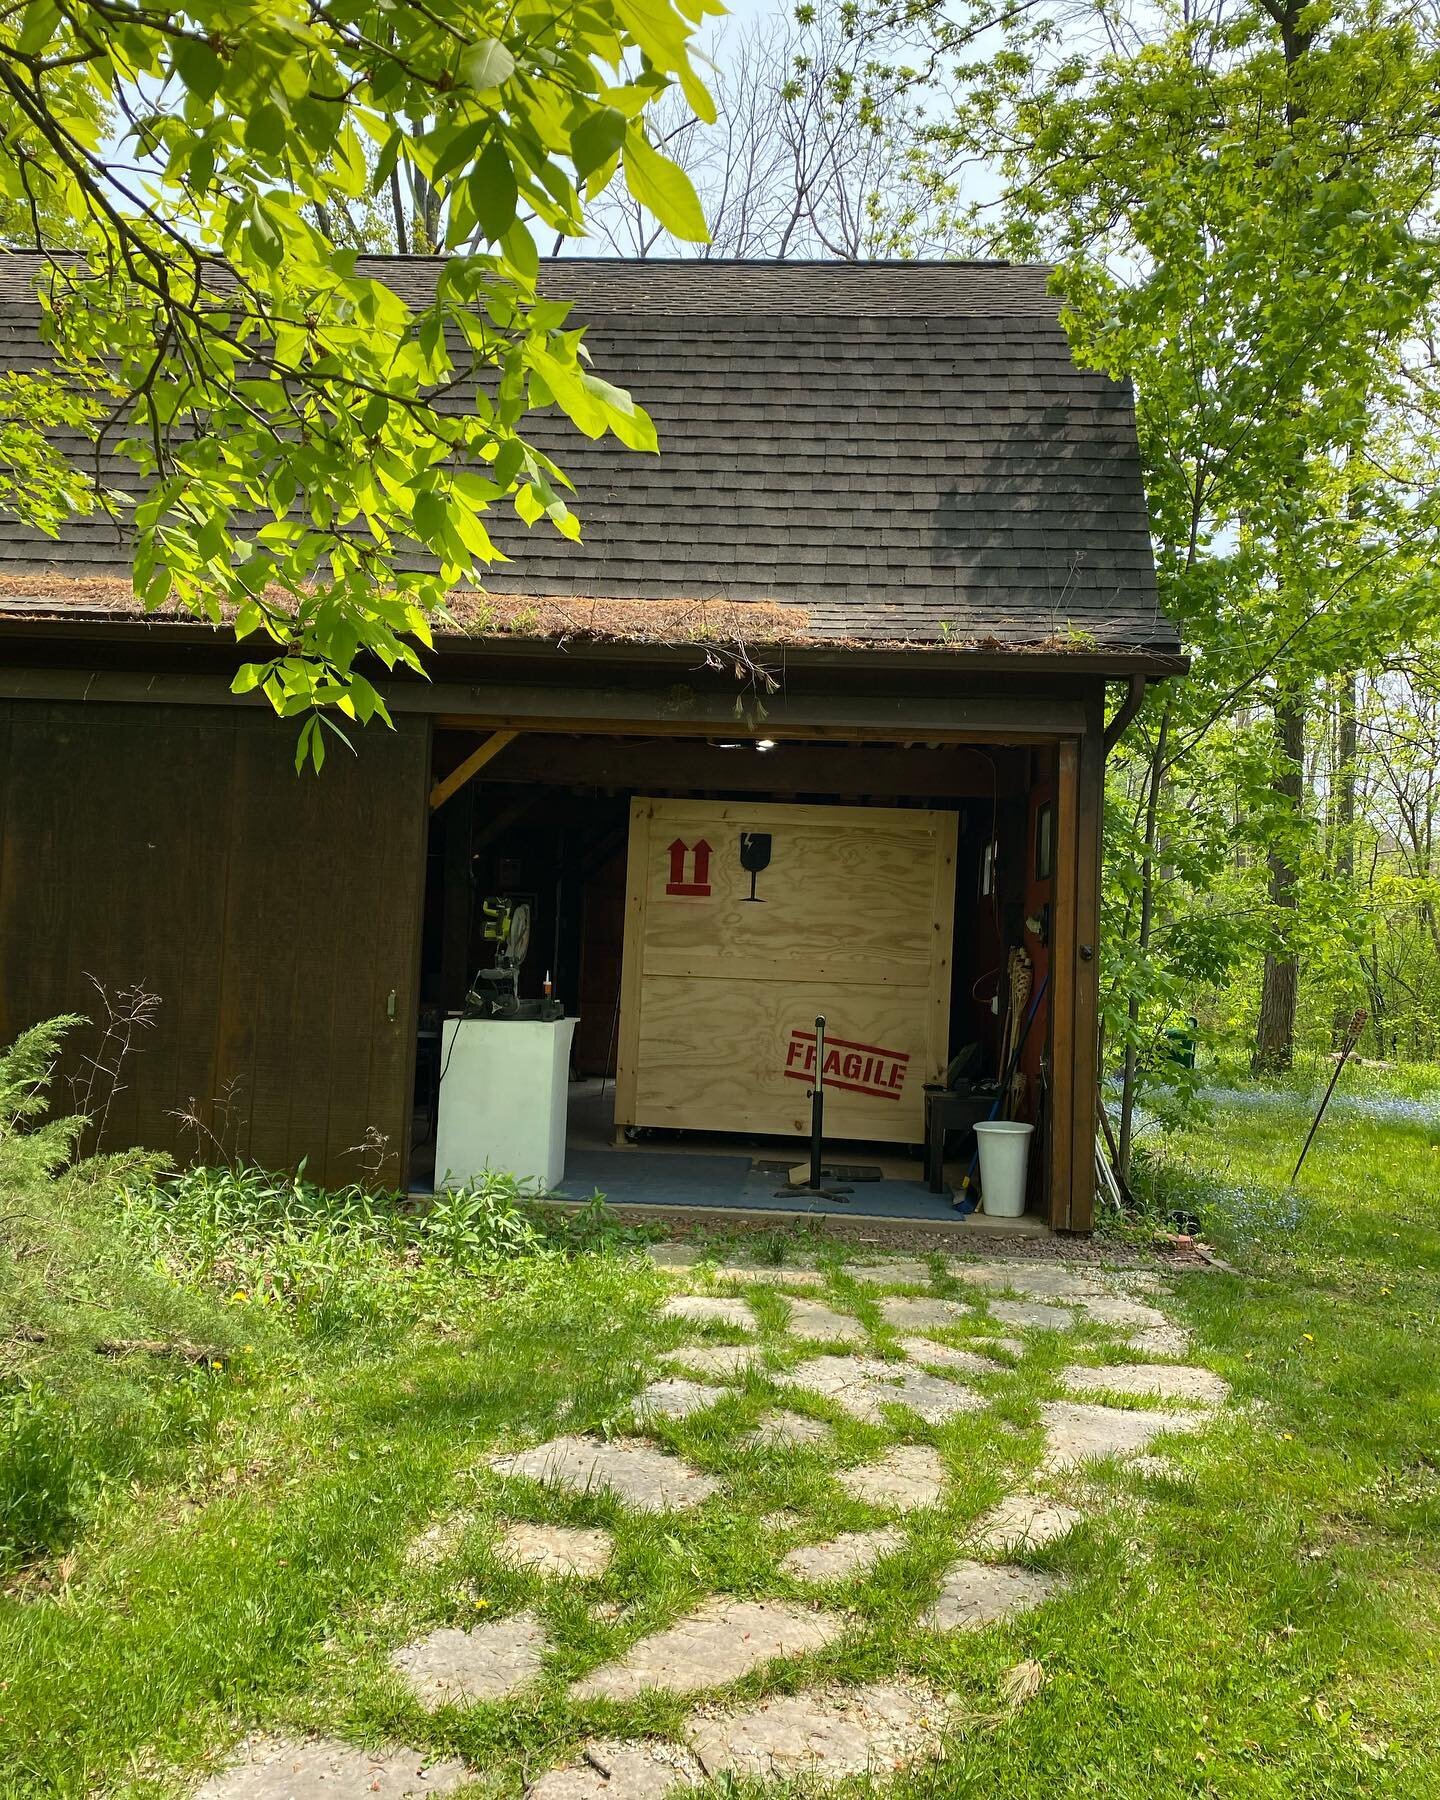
(1084, 1067)
(1062, 984)
(632, 957)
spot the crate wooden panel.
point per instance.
(854, 919)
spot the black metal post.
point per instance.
(1352, 1038)
(817, 1105)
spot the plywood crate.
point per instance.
(853, 919)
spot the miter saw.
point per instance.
(496, 990)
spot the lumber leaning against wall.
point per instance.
(853, 917)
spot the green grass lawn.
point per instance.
(194, 1552)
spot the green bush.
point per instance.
(30, 1150)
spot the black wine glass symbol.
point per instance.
(754, 856)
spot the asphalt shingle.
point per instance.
(904, 450)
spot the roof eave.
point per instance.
(102, 625)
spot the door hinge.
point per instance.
(390, 1006)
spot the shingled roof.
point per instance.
(904, 451)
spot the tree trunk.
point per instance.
(1156, 778)
(1275, 1034)
(1346, 750)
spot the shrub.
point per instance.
(28, 1149)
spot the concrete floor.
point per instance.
(716, 1172)
(685, 1174)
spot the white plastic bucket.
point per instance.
(1004, 1152)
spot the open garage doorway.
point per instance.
(694, 905)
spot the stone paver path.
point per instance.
(639, 1474)
(1035, 1313)
(824, 1733)
(1161, 1340)
(916, 1312)
(1165, 1381)
(451, 1667)
(1036, 1281)
(675, 1398)
(781, 1274)
(608, 1770)
(1124, 1313)
(947, 1356)
(892, 1274)
(717, 1644)
(557, 1549)
(715, 1362)
(438, 1541)
(843, 1556)
(710, 1309)
(974, 1595)
(905, 1479)
(812, 1319)
(1076, 1433)
(1023, 1522)
(675, 1255)
(789, 1428)
(864, 1386)
(323, 1769)
(836, 1732)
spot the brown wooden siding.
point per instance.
(272, 914)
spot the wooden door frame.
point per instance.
(1074, 944)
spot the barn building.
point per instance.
(857, 624)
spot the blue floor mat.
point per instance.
(633, 1178)
(630, 1177)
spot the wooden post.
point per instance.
(1084, 1088)
(1063, 962)
(632, 957)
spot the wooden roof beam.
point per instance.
(484, 752)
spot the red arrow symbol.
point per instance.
(699, 888)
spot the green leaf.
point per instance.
(38, 26)
(519, 247)
(493, 192)
(596, 139)
(265, 240)
(267, 129)
(487, 65)
(663, 189)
